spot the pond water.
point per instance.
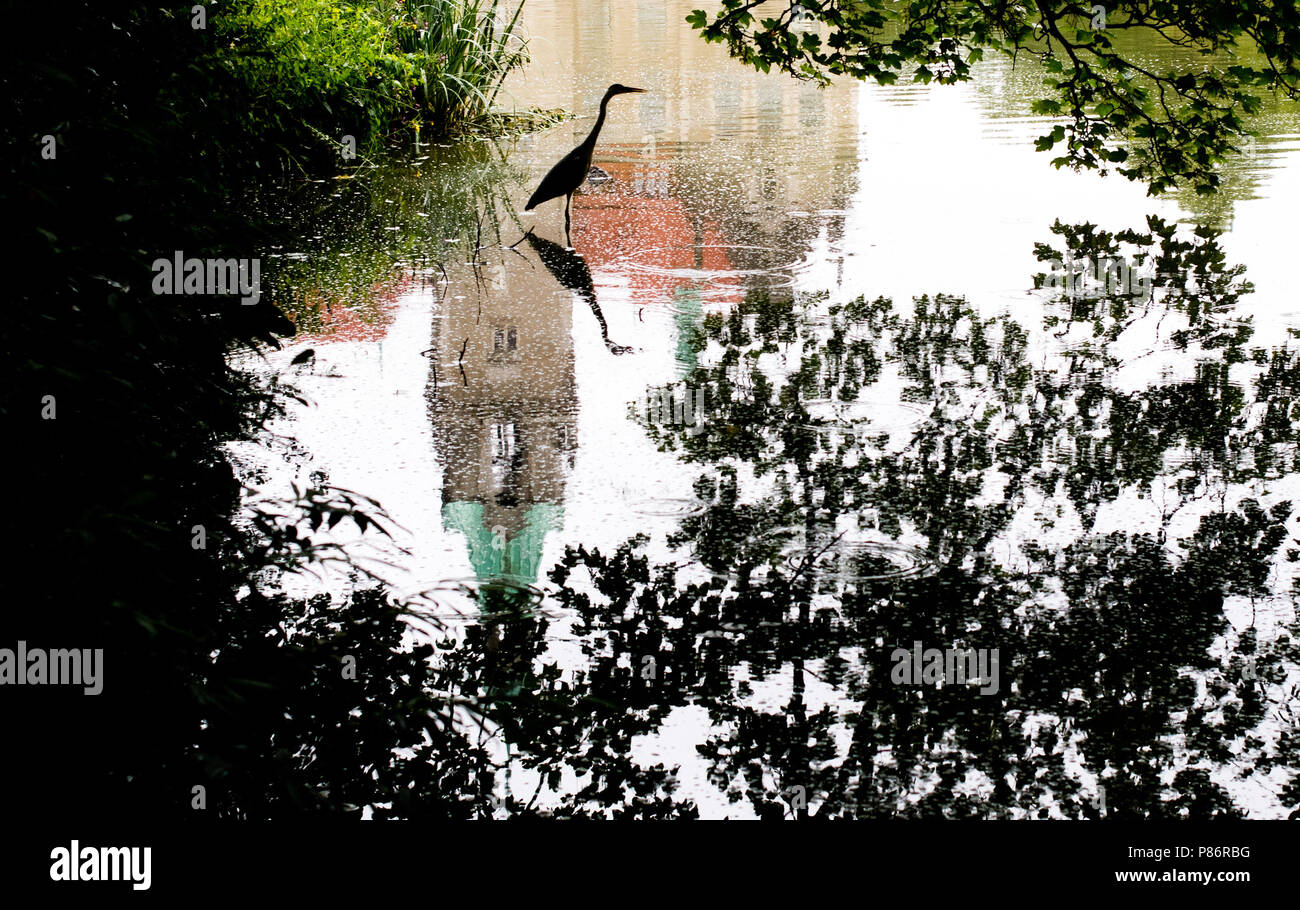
(686, 504)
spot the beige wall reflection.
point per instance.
(717, 168)
(741, 150)
(504, 410)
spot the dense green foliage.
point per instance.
(1168, 125)
(342, 67)
(131, 135)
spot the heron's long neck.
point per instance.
(600, 121)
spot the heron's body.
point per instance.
(572, 169)
(559, 180)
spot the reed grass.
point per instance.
(372, 68)
(463, 51)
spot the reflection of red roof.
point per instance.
(321, 316)
(656, 232)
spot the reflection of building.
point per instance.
(504, 414)
(634, 214)
(739, 148)
(718, 168)
(706, 168)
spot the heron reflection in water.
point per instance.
(571, 270)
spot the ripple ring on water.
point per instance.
(863, 415)
(908, 561)
(667, 506)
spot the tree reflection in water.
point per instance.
(986, 492)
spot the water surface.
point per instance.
(676, 496)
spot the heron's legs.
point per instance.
(567, 239)
(614, 348)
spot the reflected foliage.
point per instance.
(1120, 543)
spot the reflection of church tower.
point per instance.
(504, 412)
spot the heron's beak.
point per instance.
(638, 90)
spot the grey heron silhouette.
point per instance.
(572, 169)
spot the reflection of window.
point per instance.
(503, 451)
(651, 180)
(503, 441)
(505, 341)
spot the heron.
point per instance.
(573, 168)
